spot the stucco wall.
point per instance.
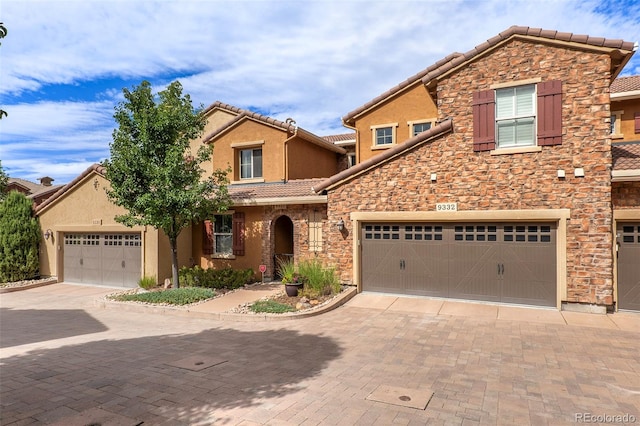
(482, 181)
(307, 160)
(627, 126)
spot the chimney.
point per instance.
(45, 181)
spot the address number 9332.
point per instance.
(446, 207)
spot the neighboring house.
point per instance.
(506, 195)
(84, 244)
(275, 214)
(36, 192)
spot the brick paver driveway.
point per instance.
(64, 361)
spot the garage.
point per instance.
(496, 262)
(104, 259)
(628, 238)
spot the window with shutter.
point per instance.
(550, 113)
(636, 118)
(515, 116)
(238, 233)
(484, 120)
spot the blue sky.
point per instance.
(63, 64)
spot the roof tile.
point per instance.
(289, 189)
(626, 155)
(625, 84)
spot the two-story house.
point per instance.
(274, 214)
(488, 176)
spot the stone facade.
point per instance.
(480, 181)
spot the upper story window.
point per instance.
(251, 163)
(420, 127)
(384, 135)
(616, 122)
(516, 116)
(351, 159)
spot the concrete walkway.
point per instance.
(377, 360)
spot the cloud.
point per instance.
(313, 60)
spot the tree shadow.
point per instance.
(23, 326)
(138, 378)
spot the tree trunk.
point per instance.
(174, 263)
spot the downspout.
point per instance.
(285, 157)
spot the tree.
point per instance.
(152, 171)
(20, 236)
(4, 181)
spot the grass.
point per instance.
(174, 296)
(147, 282)
(271, 307)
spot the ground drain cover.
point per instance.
(412, 398)
(196, 362)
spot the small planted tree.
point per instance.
(153, 174)
(19, 239)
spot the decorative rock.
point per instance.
(167, 283)
(300, 305)
(304, 300)
(314, 302)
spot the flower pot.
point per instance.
(292, 289)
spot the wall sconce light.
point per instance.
(48, 233)
(340, 225)
(96, 184)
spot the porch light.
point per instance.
(48, 233)
(340, 225)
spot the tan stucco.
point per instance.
(85, 208)
(627, 125)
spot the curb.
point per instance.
(338, 301)
(29, 286)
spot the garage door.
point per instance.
(498, 262)
(628, 236)
(105, 259)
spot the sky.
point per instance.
(63, 64)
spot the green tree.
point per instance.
(153, 173)
(20, 236)
(4, 181)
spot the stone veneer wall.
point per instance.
(625, 195)
(481, 181)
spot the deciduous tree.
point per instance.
(152, 171)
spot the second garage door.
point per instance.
(629, 266)
(498, 262)
(105, 259)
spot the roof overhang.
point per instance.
(623, 96)
(312, 199)
(625, 175)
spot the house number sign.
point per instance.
(446, 207)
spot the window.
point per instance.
(420, 127)
(315, 231)
(351, 159)
(616, 121)
(251, 163)
(516, 116)
(222, 234)
(383, 135)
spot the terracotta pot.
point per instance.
(292, 289)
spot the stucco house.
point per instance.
(490, 176)
(38, 192)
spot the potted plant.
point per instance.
(291, 279)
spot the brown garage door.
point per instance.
(501, 262)
(105, 259)
(628, 236)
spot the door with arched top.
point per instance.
(283, 242)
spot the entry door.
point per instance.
(628, 244)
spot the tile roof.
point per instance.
(440, 129)
(254, 193)
(626, 155)
(98, 168)
(35, 189)
(455, 60)
(625, 84)
(344, 137)
(289, 126)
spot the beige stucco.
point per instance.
(627, 126)
(84, 207)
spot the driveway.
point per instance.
(376, 360)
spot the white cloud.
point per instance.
(314, 60)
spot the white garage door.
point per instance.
(105, 259)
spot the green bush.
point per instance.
(319, 280)
(20, 236)
(271, 307)
(215, 278)
(147, 282)
(287, 270)
(174, 296)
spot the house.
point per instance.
(34, 191)
(84, 244)
(491, 176)
(273, 166)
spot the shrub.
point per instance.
(287, 271)
(174, 296)
(20, 236)
(319, 280)
(215, 278)
(147, 282)
(271, 307)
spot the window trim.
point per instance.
(617, 125)
(413, 123)
(515, 117)
(215, 254)
(253, 178)
(374, 138)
